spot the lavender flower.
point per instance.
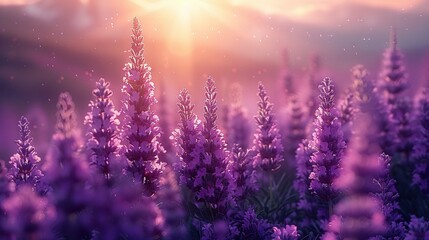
(67, 171)
(296, 131)
(418, 228)
(329, 145)
(267, 142)
(102, 122)
(289, 232)
(243, 173)
(359, 215)
(420, 152)
(25, 164)
(212, 175)
(388, 196)
(393, 78)
(307, 205)
(188, 141)
(239, 126)
(140, 131)
(29, 216)
(347, 112)
(313, 78)
(404, 129)
(164, 117)
(369, 101)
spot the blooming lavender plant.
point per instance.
(102, 122)
(347, 112)
(188, 141)
(388, 196)
(296, 129)
(370, 102)
(359, 214)
(212, 175)
(267, 142)
(29, 216)
(67, 171)
(26, 163)
(329, 145)
(307, 205)
(140, 131)
(238, 123)
(420, 152)
(243, 173)
(393, 78)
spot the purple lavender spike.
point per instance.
(212, 173)
(329, 145)
(393, 77)
(267, 142)
(358, 215)
(420, 152)
(388, 196)
(103, 143)
(26, 163)
(347, 111)
(296, 129)
(238, 124)
(67, 171)
(188, 142)
(140, 131)
(243, 173)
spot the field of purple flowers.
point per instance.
(353, 168)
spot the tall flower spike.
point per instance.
(102, 122)
(29, 215)
(358, 215)
(140, 131)
(420, 152)
(25, 164)
(404, 129)
(188, 142)
(393, 78)
(67, 172)
(347, 112)
(267, 142)
(388, 196)
(212, 175)
(296, 131)
(370, 102)
(328, 143)
(315, 65)
(164, 118)
(243, 173)
(239, 126)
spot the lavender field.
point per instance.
(307, 156)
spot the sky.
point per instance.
(50, 46)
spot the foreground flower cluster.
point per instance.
(350, 169)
